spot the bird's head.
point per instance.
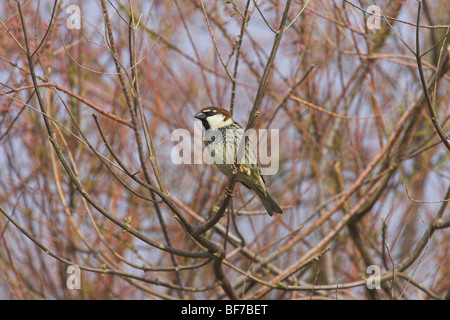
(214, 117)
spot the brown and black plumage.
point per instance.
(223, 139)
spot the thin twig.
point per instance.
(238, 54)
(48, 29)
(444, 137)
(254, 113)
(225, 67)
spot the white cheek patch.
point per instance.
(218, 121)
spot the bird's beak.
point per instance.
(200, 116)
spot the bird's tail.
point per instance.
(270, 204)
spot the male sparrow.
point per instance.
(223, 138)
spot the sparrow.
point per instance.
(223, 137)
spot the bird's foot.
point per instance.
(229, 192)
(234, 168)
